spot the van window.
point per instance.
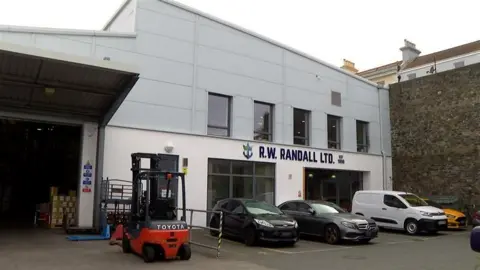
(414, 200)
(392, 201)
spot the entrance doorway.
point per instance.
(335, 186)
(34, 157)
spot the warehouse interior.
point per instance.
(34, 157)
(336, 186)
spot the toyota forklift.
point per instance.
(153, 230)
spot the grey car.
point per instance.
(329, 221)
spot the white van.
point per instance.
(398, 210)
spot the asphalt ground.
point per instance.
(48, 249)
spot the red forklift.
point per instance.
(153, 230)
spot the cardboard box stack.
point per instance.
(62, 208)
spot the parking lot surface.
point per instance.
(39, 250)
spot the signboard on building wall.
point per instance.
(292, 154)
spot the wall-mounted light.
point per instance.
(169, 147)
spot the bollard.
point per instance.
(220, 229)
(191, 223)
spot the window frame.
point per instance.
(338, 126)
(229, 116)
(231, 175)
(365, 146)
(270, 122)
(307, 115)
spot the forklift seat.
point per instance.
(162, 209)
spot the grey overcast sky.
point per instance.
(367, 32)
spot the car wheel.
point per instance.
(332, 234)
(411, 226)
(250, 236)
(214, 223)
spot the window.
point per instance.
(327, 208)
(218, 115)
(303, 207)
(334, 131)
(301, 126)
(262, 208)
(336, 98)
(289, 206)
(414, 200)
(362, 136)
(233, 205)
(392, 201)
(241, 179)
(263, 125)
(412, 76)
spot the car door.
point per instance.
(306, 218)
(392, 212)
(290, 208)
(233, 218)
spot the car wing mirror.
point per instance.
(475, 239)
(311, 211)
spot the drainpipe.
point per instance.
(382, 150)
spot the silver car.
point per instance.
(329, 221)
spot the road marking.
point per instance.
(398, 242)
(306, 251)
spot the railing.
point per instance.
(219, 229)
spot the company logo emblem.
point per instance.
(247, 151)
(341, 160)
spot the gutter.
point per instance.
(382, 149)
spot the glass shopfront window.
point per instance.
(240, 179)
(334, 186)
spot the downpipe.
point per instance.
(382, 150)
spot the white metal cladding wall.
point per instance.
(122, 142)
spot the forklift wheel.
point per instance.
(126, 244)
(148, 254)
(185, 252)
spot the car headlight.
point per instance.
(450, 216)
(349, 224)
(263, 223)
(427, 214)
(295, 224)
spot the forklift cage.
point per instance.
(148, 174)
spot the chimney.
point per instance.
(409, 51)
(349, 66)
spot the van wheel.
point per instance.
(411, 226)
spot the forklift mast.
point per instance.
(152, 177)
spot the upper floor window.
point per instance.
(362, 136)
(263, 125)
(301, 127)
(219, 109)
(334, 131)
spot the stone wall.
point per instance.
(436, 134)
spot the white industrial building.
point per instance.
(244, 115)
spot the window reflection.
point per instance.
(300, 126)
(262, 121)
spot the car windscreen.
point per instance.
(434, 204)
(260, 208)
(413, 200)
(327, 208)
